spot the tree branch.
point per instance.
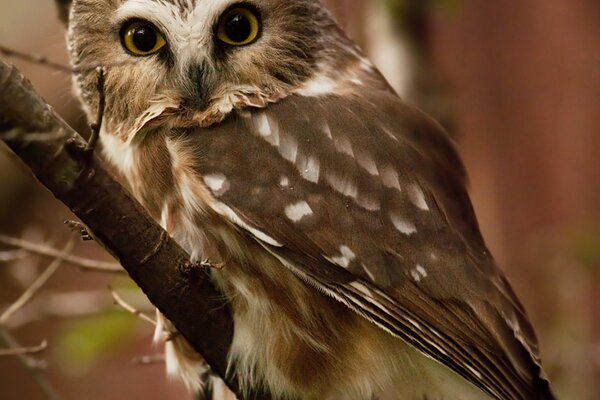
(53, 151)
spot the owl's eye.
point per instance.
(239, 26)
(141, 38)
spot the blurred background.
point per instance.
(517, 84)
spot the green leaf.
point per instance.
(92, 339)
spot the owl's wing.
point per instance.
(365, 198)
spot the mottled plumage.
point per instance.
(352, 258)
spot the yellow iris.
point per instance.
(142, 38)
(238, 27)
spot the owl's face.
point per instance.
(191, 58)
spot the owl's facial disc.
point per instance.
(184, 57)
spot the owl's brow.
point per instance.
(183, 5)
(44, 62)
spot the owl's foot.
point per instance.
(77, 226)
(209, 264)
(191, 269)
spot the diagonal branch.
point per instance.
(186, 296)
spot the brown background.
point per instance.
(516, 83)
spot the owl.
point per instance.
(260, 137)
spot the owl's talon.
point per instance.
(206, 263)
(77, 226)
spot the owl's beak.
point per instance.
(199, 90)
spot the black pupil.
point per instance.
(238, 28)
(144, 38)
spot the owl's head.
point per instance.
(193, 61)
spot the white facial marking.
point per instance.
(390, 178)
(217, 183)
(404, 226)
(366, 161)
(418, 273)
(417, 197)
(346, 257)
(187, 33)
(319, 86)
(296, 212)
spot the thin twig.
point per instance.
(36, 59)
(44, 62)
(31, 364)
(127, 307)
(97, 126)
(7, 256)
(149, 360)
(70, 305)
(37, 284)
(18, 351)
(48, 251)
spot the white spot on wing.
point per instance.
(227, 212)
(404, 226)
(362, 289)
(368, 203)
(284, 181)
(343, 145)
(474, 371)
(390, 134)
(217, 183)
(390, 178)
(295, 212)
(310, 170)
(327, 130)
(267, 128)
(417, 197)
(418, 273)
(288, 148)
(343, 185)
(369, 273)
(367, 162)
(345, 258)
(319, 86)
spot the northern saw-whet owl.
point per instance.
(261, 138)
